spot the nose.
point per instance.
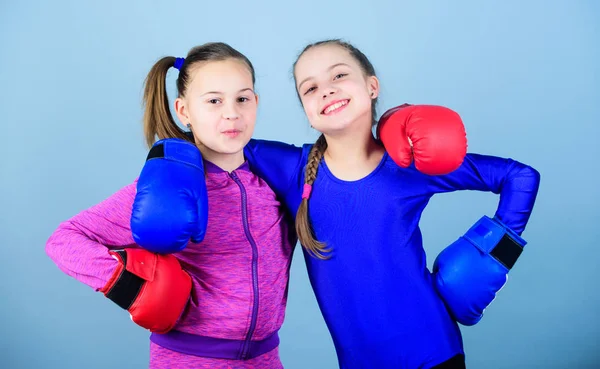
(230, 112)
(328, 92)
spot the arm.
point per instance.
(471, 271)
(438, 140)
(80, 245)
(279, 164)
(97, 248)
(171, 204)
(516, 183)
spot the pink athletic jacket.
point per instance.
(239, 271)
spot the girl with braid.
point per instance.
(358, 199)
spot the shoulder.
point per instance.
(274, 146)
(391, 169)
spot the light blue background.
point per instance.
(524, 75)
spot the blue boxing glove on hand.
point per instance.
(469, 273)
(171, 203)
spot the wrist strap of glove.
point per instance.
(507, 251)
(492, 237)
(126, 286)
(178, 150)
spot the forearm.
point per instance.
(79, 257)
(518, 197)
(79, 246)
(516, 183)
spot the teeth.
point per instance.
(335, 106)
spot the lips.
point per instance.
(231, 132)
(334, 106)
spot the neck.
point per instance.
(353, 155)
(227, 162)
(351, 147)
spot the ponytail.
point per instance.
(158, 120)
(303, 226)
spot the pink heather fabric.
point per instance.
(162, 358)
(220, 266)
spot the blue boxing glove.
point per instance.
(171, 203)
(469, 272)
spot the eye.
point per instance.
(243, 99)
(214, 101)
(340, 75)
(310, 90)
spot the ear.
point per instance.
(256, 97)
(182, 111)
(373, 86)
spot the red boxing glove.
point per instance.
(437, 134)
(152, 287)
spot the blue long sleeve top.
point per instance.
(375, 291)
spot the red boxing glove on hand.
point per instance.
(152, 287)
(439, 140)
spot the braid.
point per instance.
(303, 227)
(314, 158)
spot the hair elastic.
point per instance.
(178, 63)
(306, 191)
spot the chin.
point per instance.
(349, 121)
(333, 127)
(233, 148)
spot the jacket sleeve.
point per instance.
(80, 245)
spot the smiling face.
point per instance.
(334, 90)
(220, 104)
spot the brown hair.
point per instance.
(303, 225)
(158, 120)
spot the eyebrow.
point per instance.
(328, 69)
(219, 92)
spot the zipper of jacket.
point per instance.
(245, 347)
